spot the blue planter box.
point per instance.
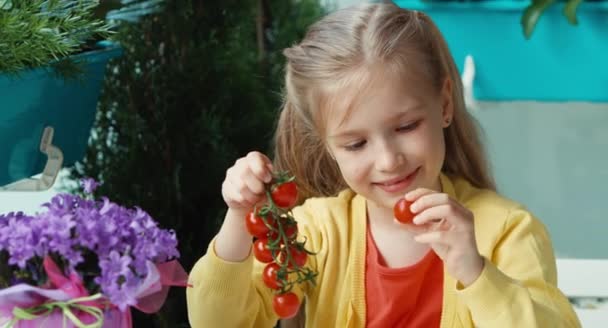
(37, 99)
(560, 62)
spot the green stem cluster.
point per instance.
(283, 244)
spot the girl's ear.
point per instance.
(447, 102)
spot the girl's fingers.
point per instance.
(260, 166)
(429, 200)
(242, 194)
(447, 214)
(441, 237)
(417, 193)
(423, 228)
(431, 215)
(253, 183)
(232, 196)
(416, 229)
(244, 185)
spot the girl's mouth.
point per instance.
(398, 184)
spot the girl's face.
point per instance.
(391, 141)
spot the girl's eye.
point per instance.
(355, 146)
(408, 127)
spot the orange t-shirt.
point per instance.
(402, 297)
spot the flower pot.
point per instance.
(38, 98)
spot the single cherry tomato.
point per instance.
(291, 231)
(261, 250)
(402, 211)
(298, 256)
(256, 226)
(286, 305)
(285, 195)
(270, 276)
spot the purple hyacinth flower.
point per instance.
(89, 185)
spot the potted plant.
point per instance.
(84, 262)
(51, 70)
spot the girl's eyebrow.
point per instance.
(399, 115)
(345, 134)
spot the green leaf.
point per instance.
(532, 14)
(570, 10)
(6, 4)
(54, 30)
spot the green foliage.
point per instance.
(194, 91)
(35, 33)
(536, 8)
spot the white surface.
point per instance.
(29, 201)
(583, 277)
(586, 281)
(593, 318)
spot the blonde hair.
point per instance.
(340, 44)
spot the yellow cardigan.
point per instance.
(517, 287)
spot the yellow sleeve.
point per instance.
(232, 294)
(518, 285)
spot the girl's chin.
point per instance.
(383, 204)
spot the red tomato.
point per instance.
(402, 211)
(261, 251)
(285, 195)
(270, 276)
(256, 226)
(286, 305)
(291, 231)
(298, 256)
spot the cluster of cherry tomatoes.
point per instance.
(275, 233)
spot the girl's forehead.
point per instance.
(368, 93)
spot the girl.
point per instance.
(374, 113)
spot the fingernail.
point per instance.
(268, 178)
(416, 220)
(414, 208)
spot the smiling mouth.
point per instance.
(397, 180)
(398, 184)
(393, 182)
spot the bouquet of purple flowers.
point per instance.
(84, 263)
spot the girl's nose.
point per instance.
(389, 157)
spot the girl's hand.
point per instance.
(243, 187)
(448, 228)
